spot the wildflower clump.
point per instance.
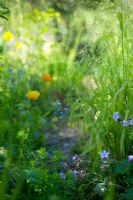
(125, 123)
(104, 157)
(33, 95)
(8, 36)
(47, 77)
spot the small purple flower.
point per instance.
(131, 122)
(125, 123)
(62, 175)
(104, 154)
(76, 158)
(130, 158)
(116, 116)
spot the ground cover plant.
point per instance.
(66, 100)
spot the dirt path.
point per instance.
(63, 139)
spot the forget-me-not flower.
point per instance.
(116, 116)
(125, 123)
(104, 154)
(131, 122)
(76, 158)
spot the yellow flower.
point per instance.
(8, 36)
(18, 45)
(33, 95)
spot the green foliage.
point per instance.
(80, 63)
(123, 171)
(4, 11)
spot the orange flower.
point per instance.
(47, 77)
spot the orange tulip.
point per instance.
(47, 77)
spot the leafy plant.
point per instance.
(4, 11)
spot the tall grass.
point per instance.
(113, 78)
(92, 74)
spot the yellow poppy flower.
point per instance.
(33, 95)
(18, 45)
(8, 36)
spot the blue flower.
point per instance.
(116, 116)
(76, 158)
(130, 158)
(104, 154)
(62, 113)
(125, 123)
(131, 122)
